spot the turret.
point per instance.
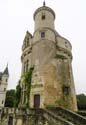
(44, 17)
(3, 86)
(44, 24)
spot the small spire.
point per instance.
(6, 72)
(44, 3)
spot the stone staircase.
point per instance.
(69, 116)
(49, 116)
(83, 113)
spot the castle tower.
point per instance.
(50, 54)
(3, 86)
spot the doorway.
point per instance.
(37, 101)
(10, 121)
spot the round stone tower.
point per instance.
(44, 36)
(40, 18)
(50, 54)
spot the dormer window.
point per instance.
(43, 16)
(42, 34)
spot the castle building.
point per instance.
(50, 54)
(3, 86)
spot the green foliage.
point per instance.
(27, 80)
(13, 97)
(17, 95)
(10, 98)
(81, 101)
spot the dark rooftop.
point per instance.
(6, 71)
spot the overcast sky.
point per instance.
(16, 17)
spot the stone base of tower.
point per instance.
(53, 92)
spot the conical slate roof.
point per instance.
(6, 72)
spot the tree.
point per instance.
(17, 94)
(10, 98)
(81, 101)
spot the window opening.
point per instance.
(42, 34)
(2, 101)
(43, 16)
(4, 89)
(66, 90)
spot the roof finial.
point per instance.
(44, 3)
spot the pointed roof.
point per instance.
(6, 72)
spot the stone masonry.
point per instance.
(50, 55)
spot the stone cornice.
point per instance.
(44, 8)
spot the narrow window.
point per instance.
(27, 41)
(27, 65)
(66, 44)
(6, 80)
(42, 34)
(24, 67)
(43, 16)
(4, 89)
(0, 78)
(2, 101)
(66, 90)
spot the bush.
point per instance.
(81, 101)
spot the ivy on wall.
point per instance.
(17, 95)
(27, 77)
